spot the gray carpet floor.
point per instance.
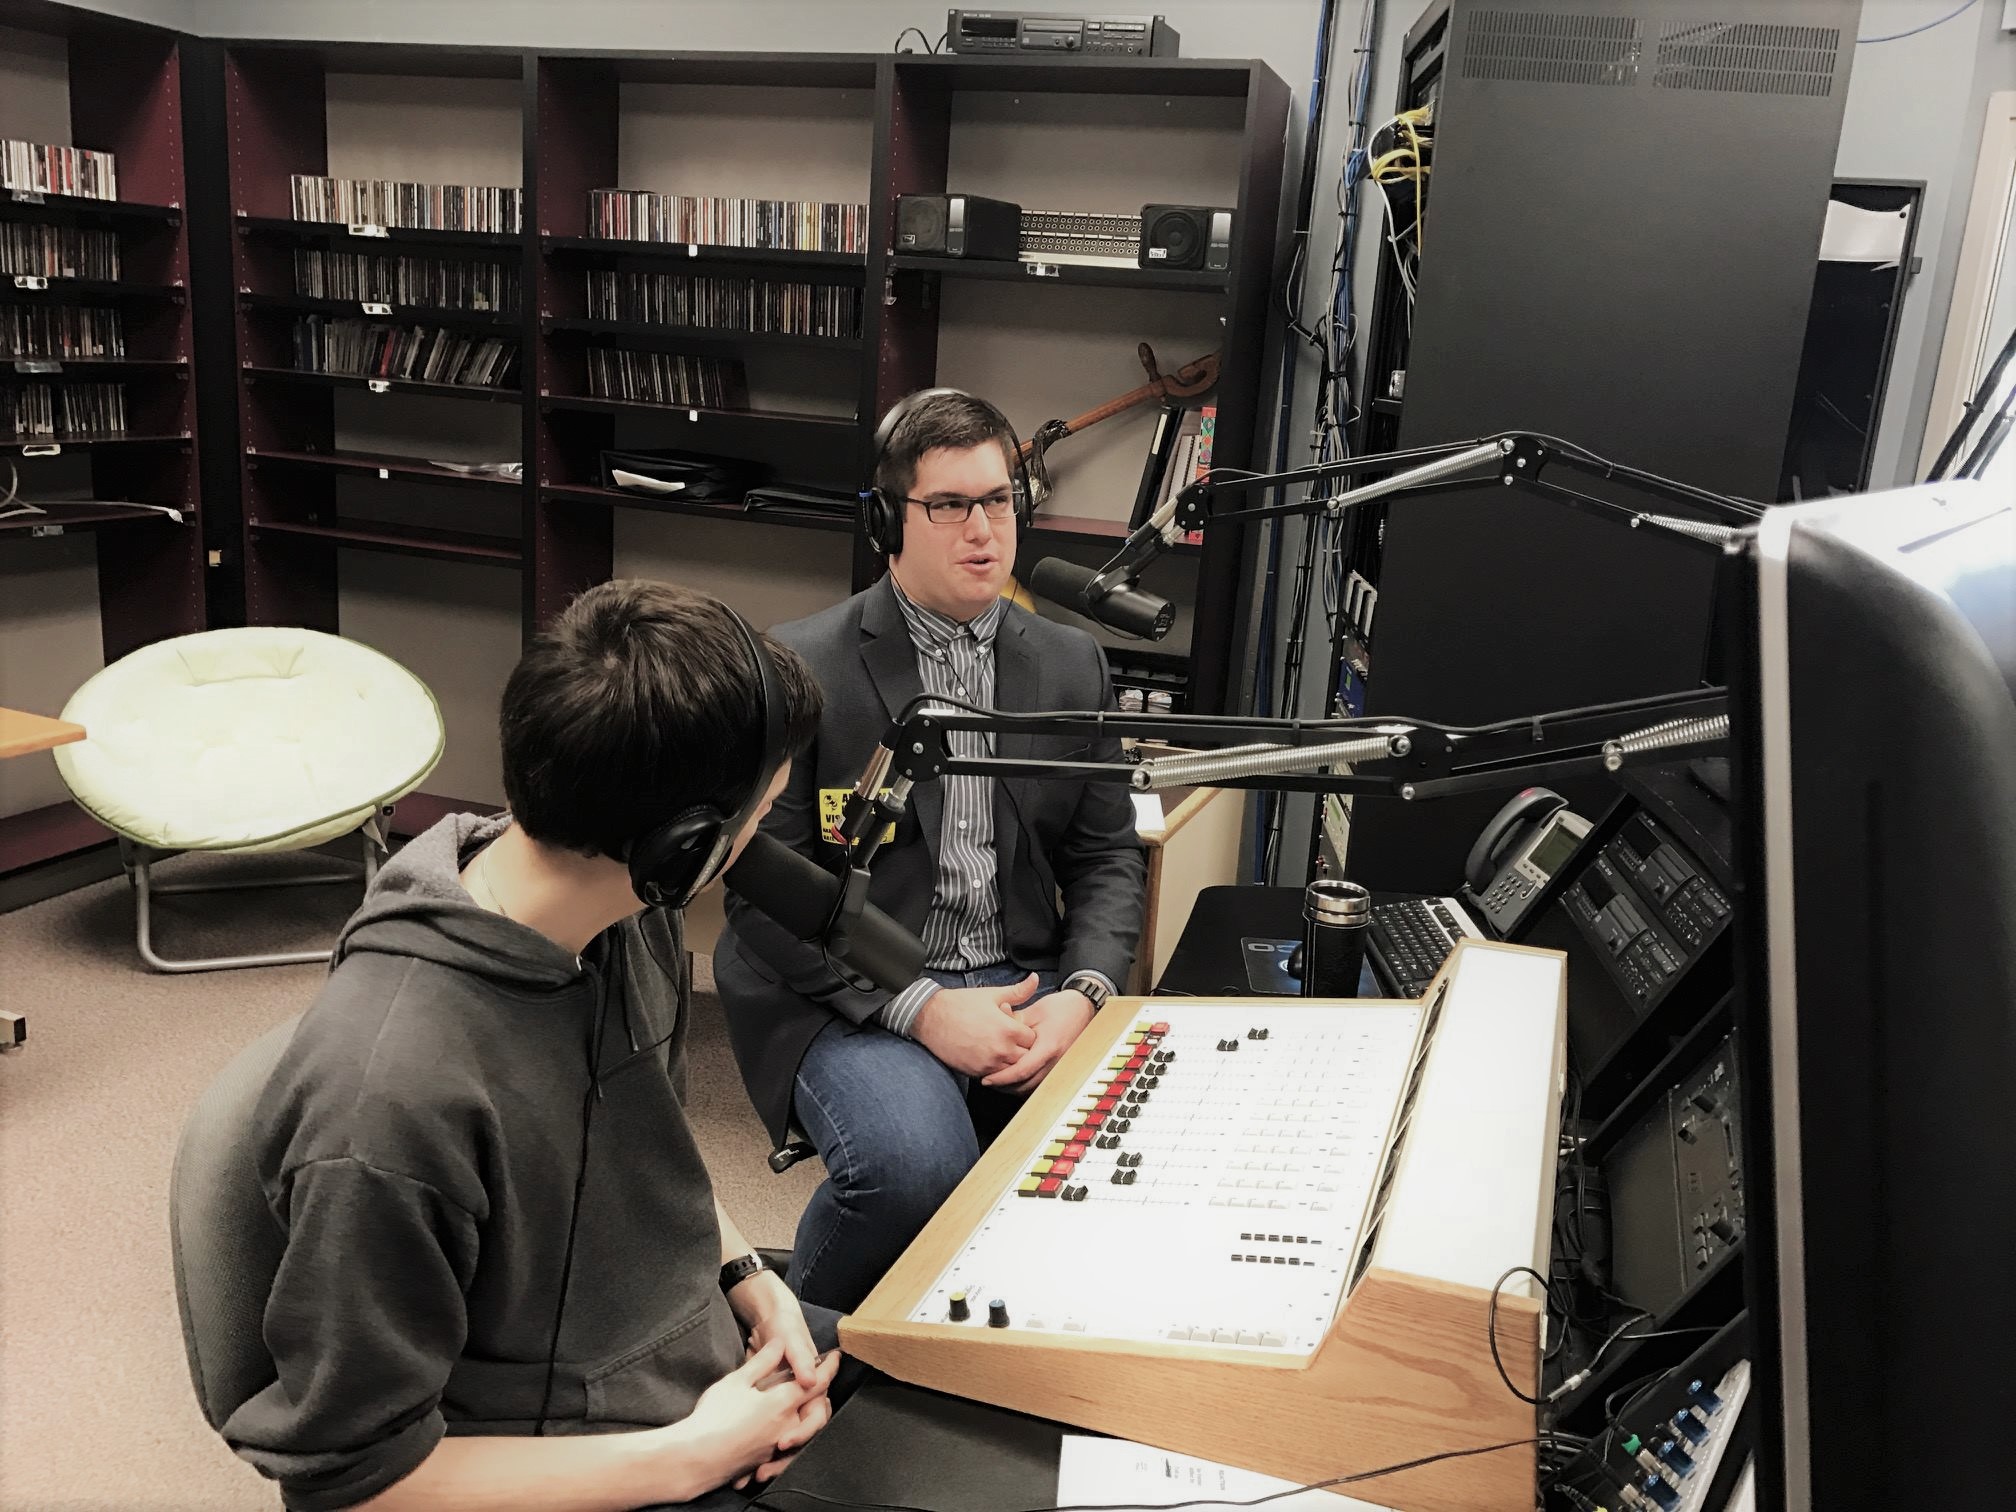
(96, 1411)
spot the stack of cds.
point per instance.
(729, 304)
(371, 349)
(60, 331)
(718, 221)
(420, 207)
(62, 411)
(58, 251)
(58, 170)
(443, 282)
(667, 378)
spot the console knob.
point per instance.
(959, 1310)
(997, 1314)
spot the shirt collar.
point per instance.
(931, 631)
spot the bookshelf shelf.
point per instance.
(775, 422)
(694, 338)
(379, 467)
(81, 515)
(353, 309)
(87, 290)
(39, 445)
(587, 494)
(669, 256)
(83, 210)
(400, 540)
(1090, 528)
(1081, 275)
(59, 368)
(326, 233)
(389, 385)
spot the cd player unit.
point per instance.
(969, 31)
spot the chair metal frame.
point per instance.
(139, 859)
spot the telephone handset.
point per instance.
(1517, 853)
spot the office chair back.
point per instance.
(226, 1242)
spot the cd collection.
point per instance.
(58, 251)
(729, 304)
(719, 221)
(417, 207)
(58, 170)
(370, 349)
(60, 331)
(667, 378)
(63, 410)
(445, 283)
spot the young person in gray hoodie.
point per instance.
(507, 1283)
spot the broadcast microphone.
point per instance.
(799, 895)
(1124, 607)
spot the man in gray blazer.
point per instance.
(878, 1082)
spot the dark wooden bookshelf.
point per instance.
(647, 333)
(400, 540)
(354, 309)
(383, 468)
(126, 88)
(618, 498)
(257, 375)
(1081, 275)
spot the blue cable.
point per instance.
(1900, 36)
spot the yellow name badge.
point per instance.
(833, 808)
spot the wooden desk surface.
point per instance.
(22, 733)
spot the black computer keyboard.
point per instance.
(1411, 940)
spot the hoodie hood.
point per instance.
(418, 907)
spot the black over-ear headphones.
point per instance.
(670, 864)
(882, 516)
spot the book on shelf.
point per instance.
(420, 354)
(707, 302)
(667, 378)
(40, 168)
(60, 333)
(722, 221)
(1207, 430)
(443, 282)
(39, 251)
(407, 206)
(58, 410)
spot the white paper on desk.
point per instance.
(1104, 1472)
(1148, 812)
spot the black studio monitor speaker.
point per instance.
(958, 225)
(1186, 236)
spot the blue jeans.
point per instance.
(890, 1121)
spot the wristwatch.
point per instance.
(1094, 989)
(736, 1271)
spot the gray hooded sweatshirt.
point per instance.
(425, 1142)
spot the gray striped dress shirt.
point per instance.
(963, 930)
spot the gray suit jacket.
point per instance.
(1073, 838)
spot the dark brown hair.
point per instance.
(949, 419)
(637, 703)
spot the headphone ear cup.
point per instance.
(881, 522)
(671, 863)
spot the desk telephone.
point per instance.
(1517, 853)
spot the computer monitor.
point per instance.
(1875, 761)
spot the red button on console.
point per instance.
(1075, 1149)
(1062, 1167)
(1105, 1104)
(1161, 1028)
(1049, 1184)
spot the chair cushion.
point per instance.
(260, 739)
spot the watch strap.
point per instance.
(738, 1270)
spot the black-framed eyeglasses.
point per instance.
(953, 510)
